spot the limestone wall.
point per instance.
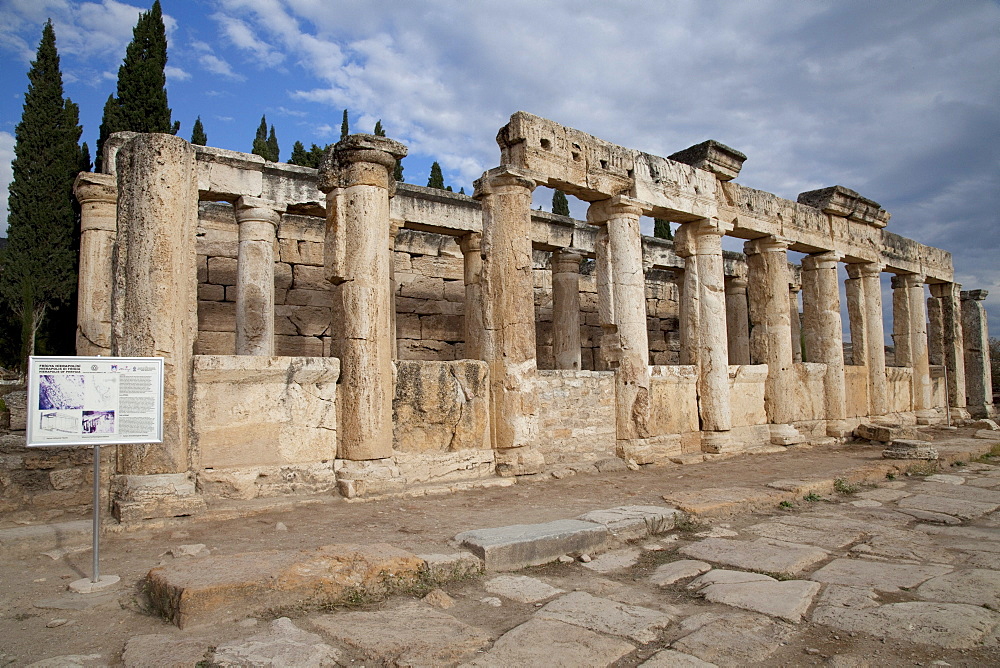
(576, 415)
(856, 383)
(264, 426)
(900, 388)
(746, 401)
(674, 404)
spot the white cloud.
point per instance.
(217, 65)
(6, 175)
(175, 73)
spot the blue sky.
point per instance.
(894, 99)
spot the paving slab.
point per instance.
(949, 625)
(165, 649)
(883, 495)
(606, 616)
(547, 642)
(518, 546)
(618, 560)
(975, 586)
(282, 645)
(829, 539)
(670, 658)
(927, 516)
(414, 634)
(788, 600)
(735, 640)
(946, 478)
(71, 661)
(634, 522)
(963, 492)
(877, 575)
(721, 501)
(758, 555)
(219, 588)
(960, 508)
(988, 483)
(974, 533)
(521, 588)
(843, 596)
(668, 574)
(903, 545)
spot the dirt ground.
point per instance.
(39, 618)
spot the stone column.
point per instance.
(394, 227)
(704, 237)
(509, 318)
(771, 332)
(824, 335)
(795, 321)
(620, 216)
(566, 309)
(97, 195)
(258, 224)
(901, 321)
(472, 252)
(357, 178)
(608, 352)
(935, 331)
(689, 313)
(952, 345)
(154, 313)
(978, 381)
(923, 404)
(865, 309)
(737, 320)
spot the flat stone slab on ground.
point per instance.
(282, 645)
(218, 588)
(950, 625)
(667, 574)
(848, 597)
(960, 508)
(927, 516)
(714, 501)
(71, 661)
(884, 495)
(963, 492)
(828, 539)
(758, 555)
(521, 588)
(164, 649)
(515, 547)
(972, 533)
(946, 478)
(759, 593)
(547, 642)
(670, 658)
(878, 575)
(618, 560)
(606, 616)
(975, 586)
(414, 634)
(735, 640)
(634, 522)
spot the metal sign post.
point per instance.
(97, 515)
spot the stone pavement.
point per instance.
(902, 572)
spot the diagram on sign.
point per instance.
(77, 403)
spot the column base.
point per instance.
(786, 434)
(719, 442)
(519, 461)
(982, 411)
(367, 477)
(959, 414)
(655, 450)
(907, 449)
(928, 416)
(839, 428)
(145, 497)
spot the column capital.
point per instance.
(952, 290)
(498, 178)
(471, 242)
(974, 295)
(619, 206)
(864, 269)
(704, 226)
(395, 225)
(260, 210)
(795, 288)
(90, 187)
(826, 260)
(381, 152)
(736, 284)
(906, 281)
(771, 244)
(566, 260)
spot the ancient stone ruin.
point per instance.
(340, 332)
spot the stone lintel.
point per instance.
(977, 295)
(844, 202)
(713, 156)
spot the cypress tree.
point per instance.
(436, 179)
(198, 135)
(316, 155)
(299, 155)
(344, 128)
(141, 102)
(379, 132)
(560, 205)
(661, 229)
(273, 152)
(398, 172)
(260, 140)
(39, 262)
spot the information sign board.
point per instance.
(94, 400)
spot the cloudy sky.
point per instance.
(895, 99)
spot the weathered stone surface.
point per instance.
(828, 538)
(606, 616)
(946, 479)
(973, 586)
(618, 560)
(164, 649)
(884, 433)
(668, 574)
(441, 406)
(552, 643)
(759, 555)
(877, 575)
(950, 625)
(927, 516)
(906, 449)
(884, 495)
(788, 600)
(456, 565)
(715, 501)
(842, 596)
(223, 587)
(70, 661)
(282, 645)
(420, 635)
(631, 522)
(735, 640)
(521, 588)
(514, 547)
(964, 510)
(669, 658)
(963, 492)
